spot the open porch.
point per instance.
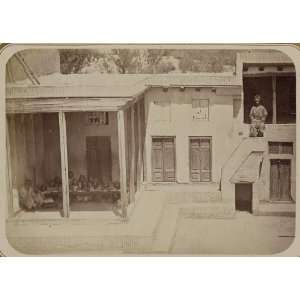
(81, 154)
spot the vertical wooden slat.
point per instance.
(144, 140)
(64, 163)
(274, 102)
(13, 148)
(195, 160)
(169, 159)
(132, 156)
(205, 160)
(122, 162)
(139, 135)
(284, 182)
(274, 180)
(157, 159)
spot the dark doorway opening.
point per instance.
(263, 87)
(99, 162)
(243, 197)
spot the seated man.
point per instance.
(258, 116)
(30, 199)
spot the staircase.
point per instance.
(248, 150)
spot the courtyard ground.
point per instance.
(244, 234)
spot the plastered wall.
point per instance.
(224, 126)
(221, 125)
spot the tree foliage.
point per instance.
(129, 61)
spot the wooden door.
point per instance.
(99, 161)
(280, 179)
(163, 159)
(169, 159)
(200, 159)
(195, 166)
(243, 197)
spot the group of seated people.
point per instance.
(90, 184)
(86, 185)
(33, 197)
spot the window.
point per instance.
(200, 109)
(200, 159)
(161, 110)
(280, 148)
(97, 118)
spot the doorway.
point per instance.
(280, 180)
(99, 160)
(243, 197)
(163, 159)
(200, 159)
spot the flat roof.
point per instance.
(95, 85)
(98, 85)
(264, 57)
(209, 79)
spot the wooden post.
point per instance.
(140, 146)
(274, 119)
(122, 162)
(8, 174)
(64, 163)
(33, 149)
(132, 157)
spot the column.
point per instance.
(64, 163)
(140, 145)
(274, 119)
(132, 156)
(122, 162)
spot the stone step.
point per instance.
(194, 197)
(215, 211)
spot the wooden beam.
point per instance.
(274, 118)
(132, 156)
(64, 163)
(122, 162)
(23, 105)
(140, 146)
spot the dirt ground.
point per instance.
(243, 235)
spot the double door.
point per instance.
(163, 159)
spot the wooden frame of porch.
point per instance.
(130, 137)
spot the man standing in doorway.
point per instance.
(258, 116)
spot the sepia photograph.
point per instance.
(152, 150)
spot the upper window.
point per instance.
(280, 147)
(97, 118)
(200, 108)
